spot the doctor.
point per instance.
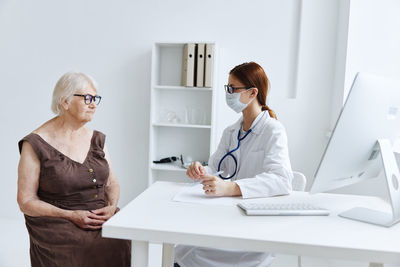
(254, 158)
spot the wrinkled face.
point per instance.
(77, 108)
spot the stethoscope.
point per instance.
(230, 154)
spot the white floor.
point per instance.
(14, 251)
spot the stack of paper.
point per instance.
(195, 194)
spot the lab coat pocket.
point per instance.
(255, 161)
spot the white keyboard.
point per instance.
(282, 209)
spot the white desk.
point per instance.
(153, 217)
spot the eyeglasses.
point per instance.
(230, 89)
(90, 98)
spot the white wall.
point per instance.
(374, 39)
(40, 40)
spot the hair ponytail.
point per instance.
(252, 75)
(270, 111)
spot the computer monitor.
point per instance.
(361, 145)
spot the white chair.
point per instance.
(299, 183)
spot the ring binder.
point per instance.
(209, 65)
(200, 65)
(188, 65)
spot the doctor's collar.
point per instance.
(257, 124)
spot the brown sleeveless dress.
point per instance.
(71, 185)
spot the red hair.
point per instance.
(252, 75)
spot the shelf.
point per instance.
(179, 125)
(167, 167)
(182, 88)
(181, 118)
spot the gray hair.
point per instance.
(67, 86)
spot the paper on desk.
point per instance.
(195, 194)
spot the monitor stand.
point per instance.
(392, 178)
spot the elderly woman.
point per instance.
(66, 186)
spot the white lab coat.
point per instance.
(263, 170)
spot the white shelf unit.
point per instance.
(183, 88)
(181, 118)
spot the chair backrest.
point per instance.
(299, 181)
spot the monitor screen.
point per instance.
(371, 112)
(361, 146)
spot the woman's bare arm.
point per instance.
(28, 183)
(112, 186)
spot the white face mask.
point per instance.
(233, 101)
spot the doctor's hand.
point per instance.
(215, 186)
(195, 171)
